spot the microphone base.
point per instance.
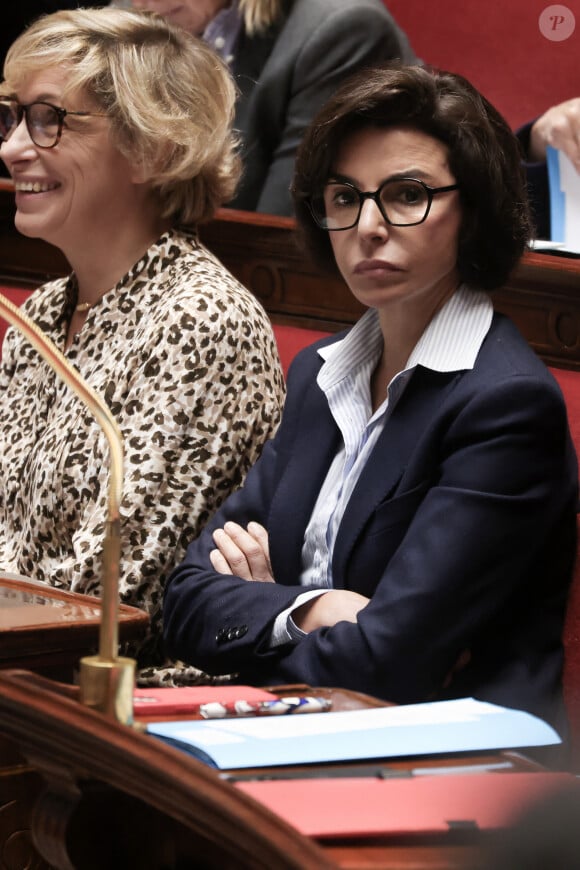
(107, 686)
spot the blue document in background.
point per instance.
(564, 183)
(463, 725)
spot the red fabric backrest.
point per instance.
(17, 295)
(499, 47)
(291, 339)
(570, 384)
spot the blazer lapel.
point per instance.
(296, 494)
(415, 411)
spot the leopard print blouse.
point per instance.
(186, 360)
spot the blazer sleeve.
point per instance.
(192, 621)
(503, 481)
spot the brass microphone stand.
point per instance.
(107, 679)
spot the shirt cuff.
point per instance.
(285, 629)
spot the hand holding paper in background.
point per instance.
(564, 182)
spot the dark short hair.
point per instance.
(484, 157)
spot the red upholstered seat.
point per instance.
(570, 384)
(16, 295)
(291, 339)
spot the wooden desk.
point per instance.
(49, 630)
(542, 296)
(118, 798)
(456, 849)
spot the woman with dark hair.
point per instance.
(413, 521)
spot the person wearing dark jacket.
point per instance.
(287, 57)
(560, 128)
(410, 530)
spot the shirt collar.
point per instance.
(450, 341)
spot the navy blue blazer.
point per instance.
(286, 74)
(461, 530)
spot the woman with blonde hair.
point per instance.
(287, 57)
(116, 128)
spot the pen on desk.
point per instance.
(458, 769)
(277, 707)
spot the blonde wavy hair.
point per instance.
(258, 15)
(169, 98)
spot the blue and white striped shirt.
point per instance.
(450, 342)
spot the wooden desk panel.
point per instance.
(49, 630)
(117, 798)
(542, 296)
(112, 790)
(263, 252)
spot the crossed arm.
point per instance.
(245, 553)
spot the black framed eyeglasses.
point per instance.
(44, 121)
(403, 202)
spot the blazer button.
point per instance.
(241, 630)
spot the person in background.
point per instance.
(560, 128)
(288, 57)
(116, 129)
(410, 530)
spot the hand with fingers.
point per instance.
(243, 552)
(336, 605)
(560, 128)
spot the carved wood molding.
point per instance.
(113, 791)
(19, 787)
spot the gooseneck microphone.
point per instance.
(106, 680)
